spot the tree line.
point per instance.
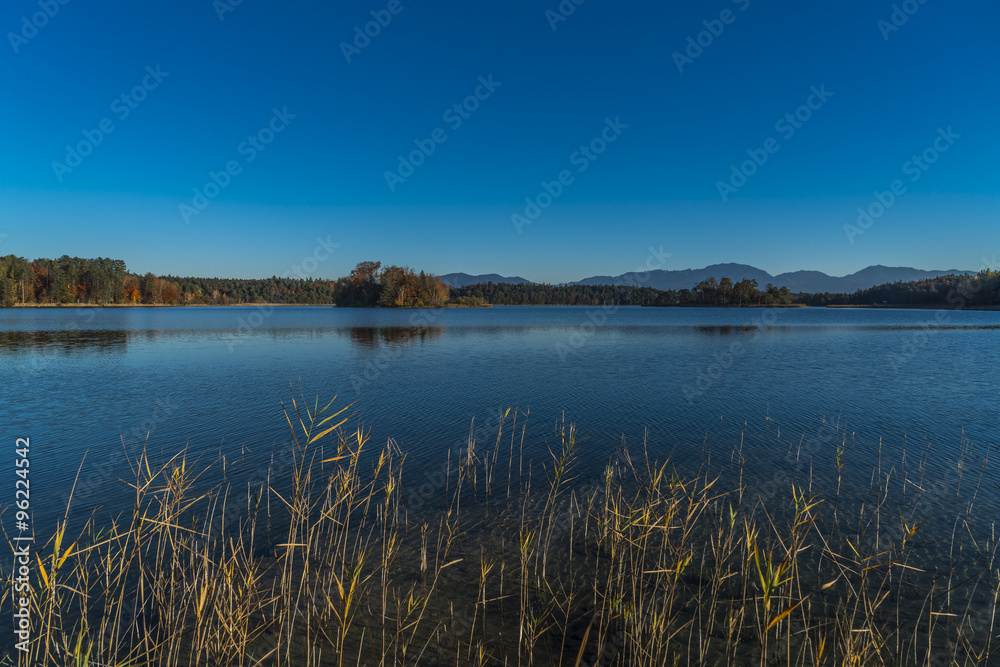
(69, 280)
(236, 291)
(951, 291)
(725, 292)
(709, 292)
(391, 287)
(102, 281)
(105, 281)
(74, 280)
(541, 294)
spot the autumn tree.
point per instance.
(168, 291)
(150, 289)
(394, 287)
(130, 289)
(365, 279)
(362, 288)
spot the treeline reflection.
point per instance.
(67, 340)
(71, 340)
(374, 337)
(75, 340)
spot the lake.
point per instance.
(888, 417)
(96, 383)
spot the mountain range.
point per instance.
(463, 279)
(796, 281)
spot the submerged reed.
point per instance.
(642, 566)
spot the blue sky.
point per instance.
(215, 78)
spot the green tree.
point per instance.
(8, 288)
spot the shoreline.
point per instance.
(164, 305)
(70, 306)
(926, 306)
(750, 305)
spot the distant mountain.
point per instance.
(683, 278)
(809, 281)
(877, 275)
(463, 279)
(796, 281)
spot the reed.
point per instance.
(535, 565)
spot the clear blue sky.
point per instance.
(324, 174)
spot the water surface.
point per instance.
(689, 382)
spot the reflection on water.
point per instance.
(67, 340)
(761, 326)
(906, 381)
(373, 337)
(72, 339)
(724, 330)
(107, 340)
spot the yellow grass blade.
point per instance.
(290, 427)
(41, 571)
(583, 642)
(782, 615)
(332, 428)
(335, 414)
(62, 559)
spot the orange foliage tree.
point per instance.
(130, 289)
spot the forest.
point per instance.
(724, 292)
(103, 281)
(74, 280)
(951, 291)
(393, 286)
